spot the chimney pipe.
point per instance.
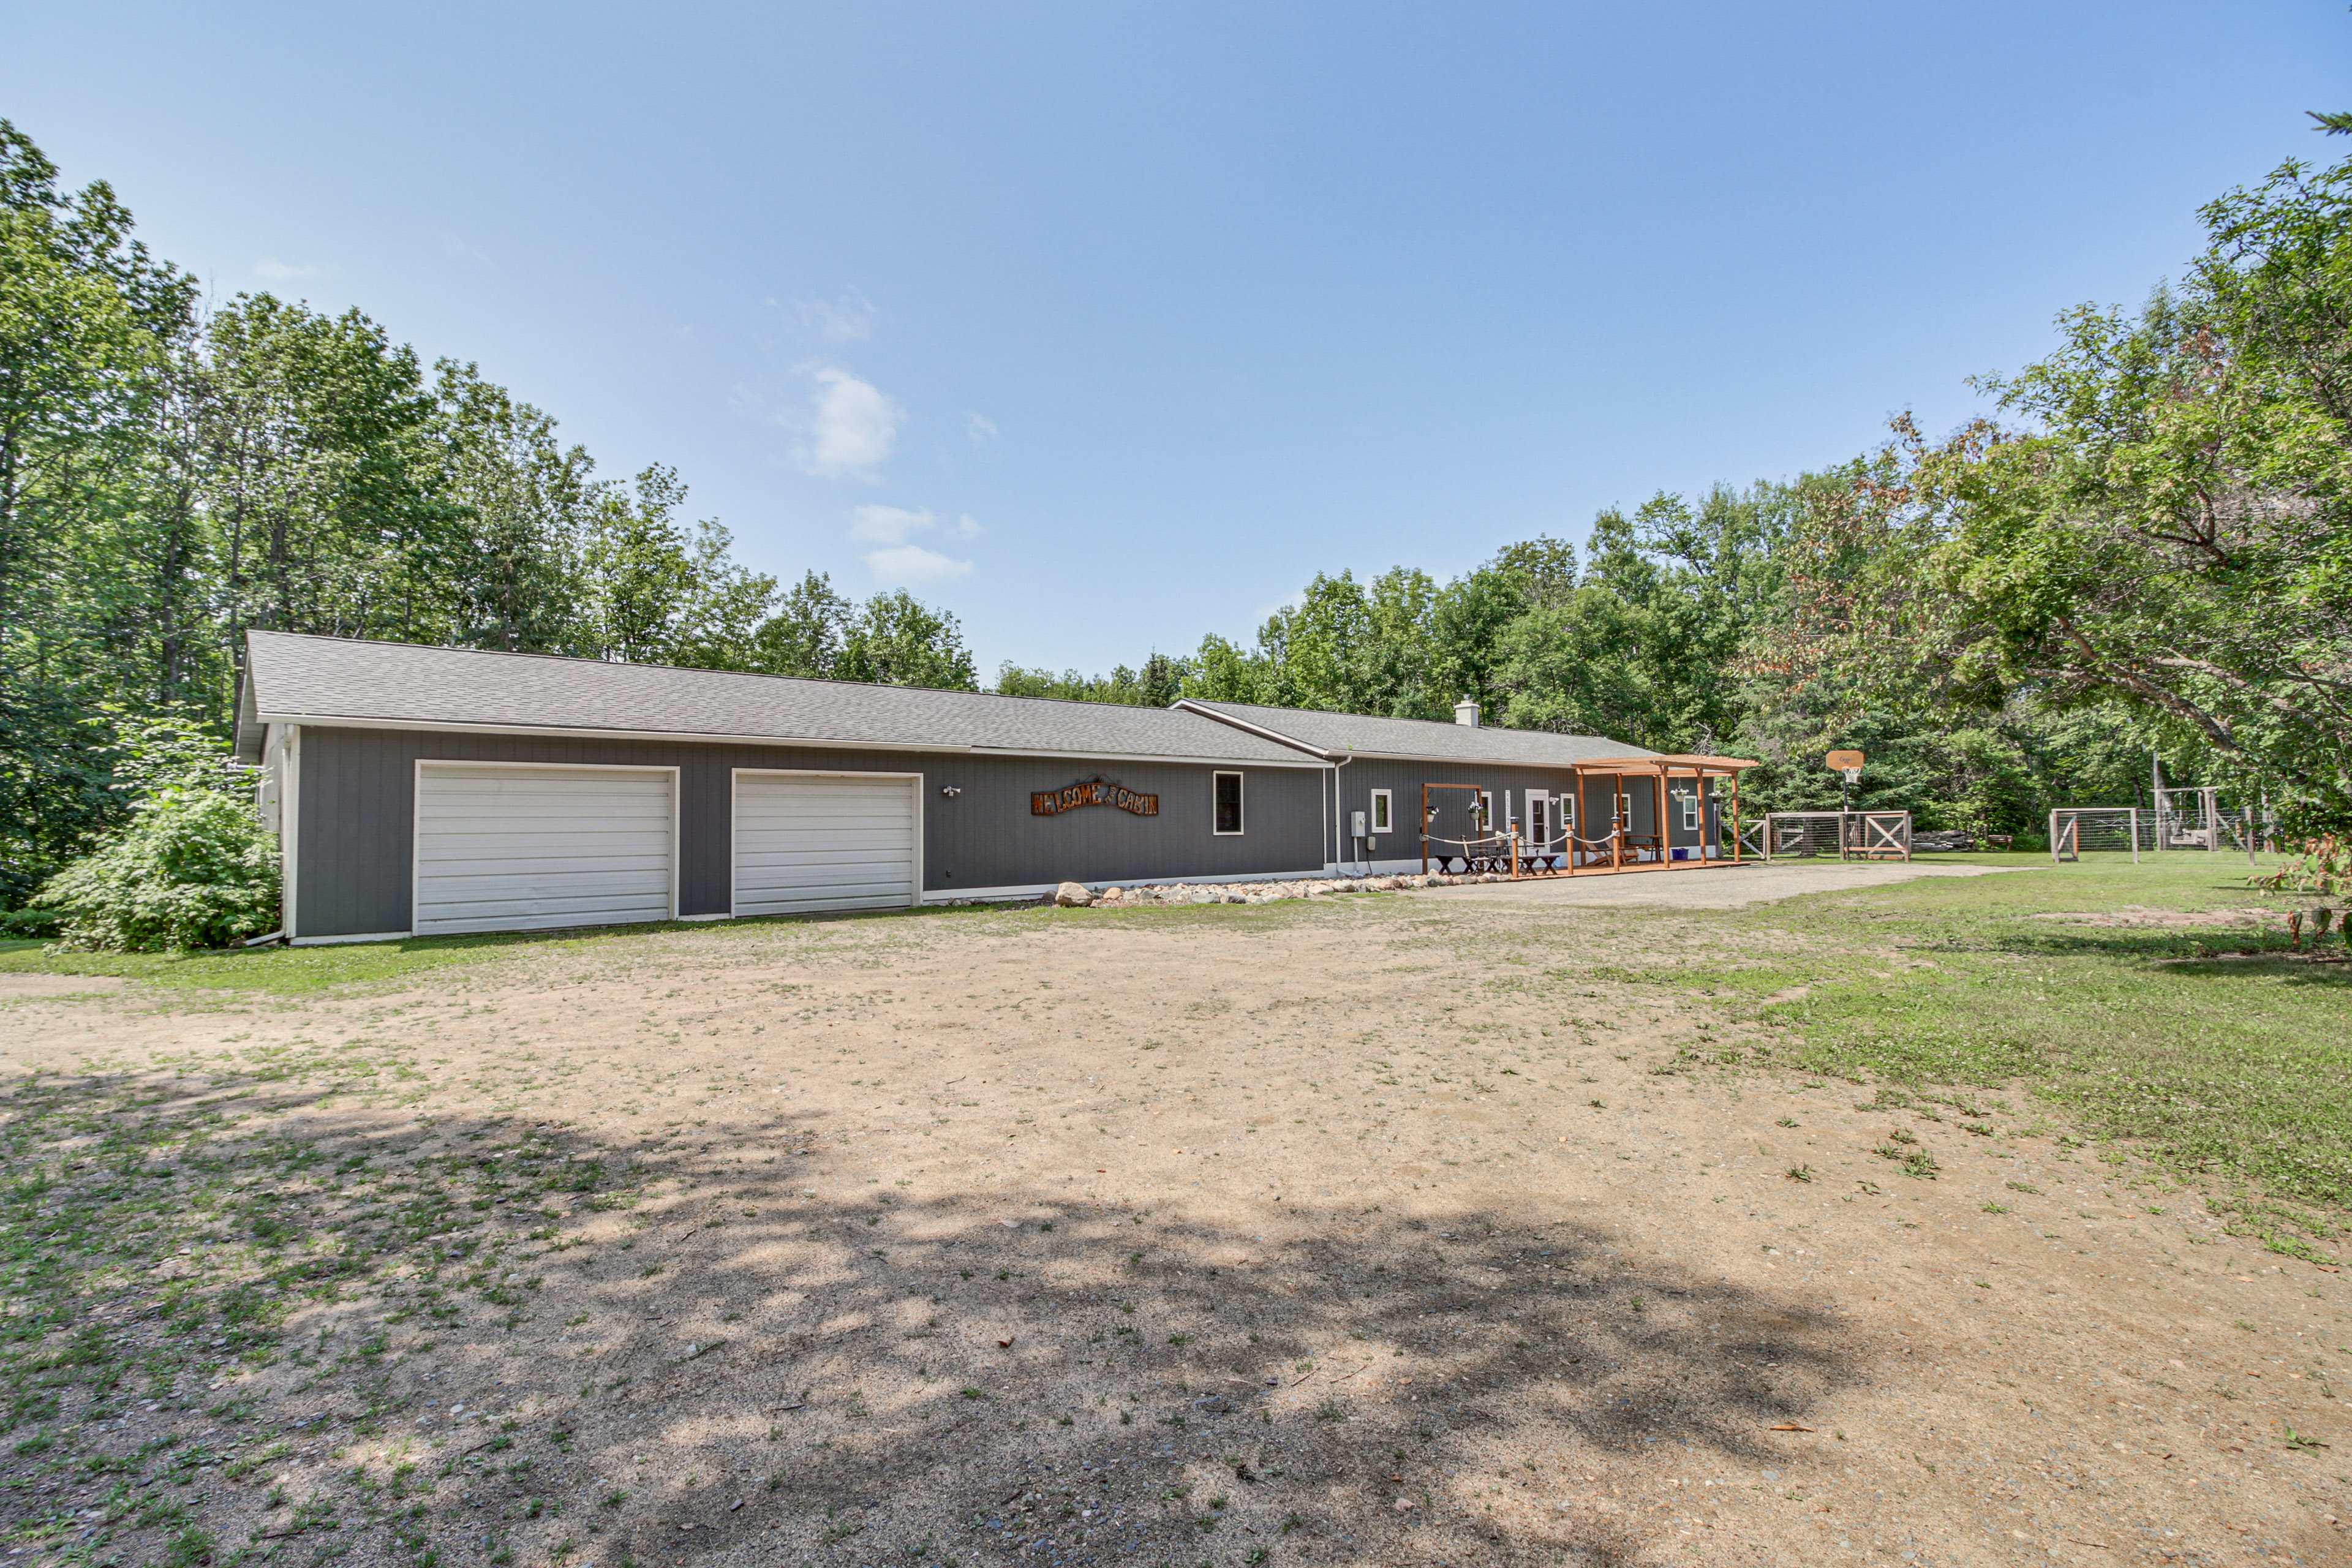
(1466, 712)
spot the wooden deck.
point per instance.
(1623, 849)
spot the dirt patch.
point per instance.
(2167, 920)
(20, 987)
(1296, 1232)
(1714, 886)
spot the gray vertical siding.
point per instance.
(1359, 778)
(1404, 780)
(356, 813)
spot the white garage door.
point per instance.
(526, 849)
(806, 841)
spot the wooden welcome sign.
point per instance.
(1095, 791)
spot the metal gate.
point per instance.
(2111, 828)
(1821, 835)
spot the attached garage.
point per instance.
(510, 847)
(826, 841)
(438, 791)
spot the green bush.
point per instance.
(23, 923)
(193, 867)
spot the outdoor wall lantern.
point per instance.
(950, 790)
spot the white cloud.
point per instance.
(269, 270)
(852, 424)
(895, 525)
(888, 524)
(849, 319)
(455, 246)
(909, 563)
(982, 428)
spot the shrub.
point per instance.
(28, 923)
(193, 867)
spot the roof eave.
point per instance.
(443, 726)
(1672, 760)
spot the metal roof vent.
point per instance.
(1466, 712)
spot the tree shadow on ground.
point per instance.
(457, 1339)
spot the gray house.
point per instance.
(1576, 802)
(431, 791)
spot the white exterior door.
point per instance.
(503, 847)
(805, 842)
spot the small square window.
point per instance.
(1228, 812)
(1379, 811)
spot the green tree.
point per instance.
(663, 593)
(1122, 686)
(2171, 533)
(898, 640)
(808, 633)
(318, 473)
(523, 508)
(1222, 671)
(88, 320)
(1641, 644)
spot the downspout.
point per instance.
(1339, 813)
(1327, 803)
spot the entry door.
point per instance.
(533, 849)
(808, 842)
(1539, 831)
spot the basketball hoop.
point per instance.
(1850, 765)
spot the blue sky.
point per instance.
(1106, 326)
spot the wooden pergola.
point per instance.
(1588, 856)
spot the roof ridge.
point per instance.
(1395, 719)
(694, 669)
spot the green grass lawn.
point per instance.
(276, 969)
(291, 970)
(2207, 1045)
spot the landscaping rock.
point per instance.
(1070, 894)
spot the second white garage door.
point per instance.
(531, 848)
(805, 842)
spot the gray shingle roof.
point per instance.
(1335, 734)
(315, 680)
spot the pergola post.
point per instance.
(1575, 815)
(1617, 824)
(1424, 829)
(1666, 837)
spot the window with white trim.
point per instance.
(1225, 817)
(1625, 810)
(1689, 799)
(1380, 809)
